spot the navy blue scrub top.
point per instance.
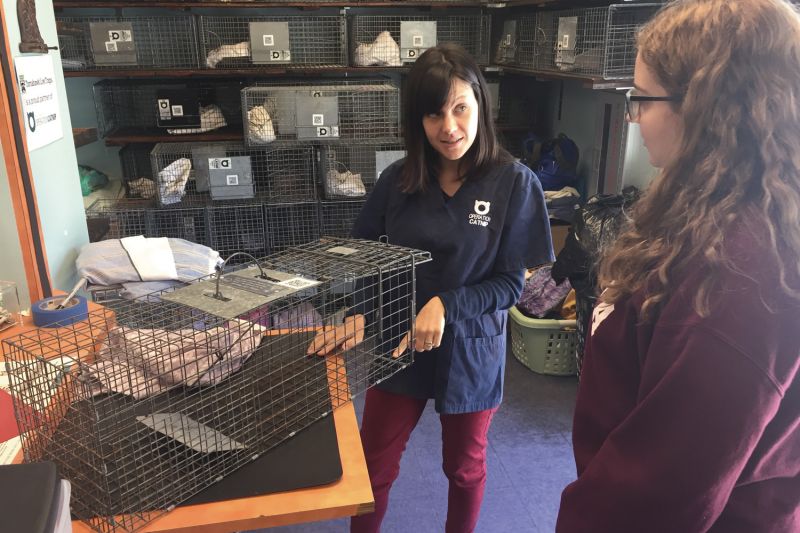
(481, 241)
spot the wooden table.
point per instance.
(351, 495)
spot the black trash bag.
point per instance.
(596, 227)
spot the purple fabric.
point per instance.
(542, 294)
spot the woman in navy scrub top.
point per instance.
(482, 216)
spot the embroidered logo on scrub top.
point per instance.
(481, 215)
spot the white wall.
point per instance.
(55, 173)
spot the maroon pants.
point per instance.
(386, 426)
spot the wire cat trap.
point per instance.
(148, 402)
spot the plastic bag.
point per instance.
(91, 179)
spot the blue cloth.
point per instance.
(481, 241)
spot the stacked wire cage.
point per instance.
(129, 43)
(166, 107)
(350, 170)
(378, 40)
(192, 173)
(146, 403)
(320, 111)
(291, 224)
(137, 172)
(308, 41)
(238, 226)
(115, 219)
(338, 217)
(596, 41)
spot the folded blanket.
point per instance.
(211, 118)
(107, 262)
(152, 258)
(383, 51)
(144, 362)
(261, 129)
(227, 50)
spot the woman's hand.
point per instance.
(343, 337)
(429, 328)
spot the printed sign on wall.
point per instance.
(41, 113)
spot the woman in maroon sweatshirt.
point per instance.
(688, 411)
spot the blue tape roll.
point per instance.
(45, 314)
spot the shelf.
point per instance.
(214, 73)
(130, 136)
(61, 4)
(588, 81)
(84, 136)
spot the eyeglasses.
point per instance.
(632, 102)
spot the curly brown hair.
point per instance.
(737, 65)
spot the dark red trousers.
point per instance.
(386, 426)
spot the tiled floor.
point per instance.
(530, 462)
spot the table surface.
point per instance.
(351, 495)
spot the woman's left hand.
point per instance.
(429, 328)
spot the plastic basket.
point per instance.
(544, 346)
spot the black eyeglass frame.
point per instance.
(642, 98)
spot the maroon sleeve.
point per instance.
(671, 464)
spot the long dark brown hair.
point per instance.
(737, 65)
(427, 88)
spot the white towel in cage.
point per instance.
(152, 258)
(211, 118)
(260, 125)
(172, 180)
(383, 51)
(345, 183)
(227, 50)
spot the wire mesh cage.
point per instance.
(392, 40)
(146, 403)
(299, 41)
(321, 111)
(115, 219)
(351, 170)
(597, 41)
(189, 223)
(528, 41)
(241, 227)
(177, 108)
(201, 172)
(137, 172)
(93, 43)
(291, 224)
(513, 100)
(337, 217)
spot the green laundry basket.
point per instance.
(544, 346)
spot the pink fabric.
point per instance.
(143, 362)
(387, 424)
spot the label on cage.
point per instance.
(112, 43)
(507, 39)
(328, 131)
(219, 163)
(299, 283)
(564, 44)
(232, 179)
(416, 36)
(189, 432)
(417, 41)
(269, 42)
(120, 35)
(164, 109)
(177, 110)
(342, 250)
(318, 119)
